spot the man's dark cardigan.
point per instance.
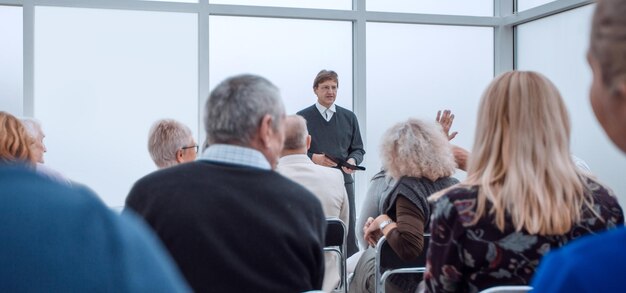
(340, 137)
(232, 228)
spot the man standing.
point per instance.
(334, 132)
(230, 222)
(326, 183)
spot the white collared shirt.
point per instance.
(233, 154)
(327, 113)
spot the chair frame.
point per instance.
(508, 289)
(336, 234)
(384, 252)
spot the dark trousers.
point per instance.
(352, 245)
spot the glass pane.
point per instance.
(528, 4)
(100, 85)
(449, 7)
(11, 60)
(428, 68)
(321, 4)
(562, 60)
(179, 1)
(288, 52)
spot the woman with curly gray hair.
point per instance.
(418, 158)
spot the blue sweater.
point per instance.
(592, 264)
(57, 238)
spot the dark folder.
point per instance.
(343, 163)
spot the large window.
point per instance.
(289, 52)
(427, 68)
(11, 59)
(556, 46)
(98, 73)
(102, 78)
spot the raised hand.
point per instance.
(445, 121)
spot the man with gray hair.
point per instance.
(326, 183)
(171, 142)
(230, 222)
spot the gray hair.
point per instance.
(417, 148)
(236, 107)
(32, 126)
(166, 137)
(295, 132)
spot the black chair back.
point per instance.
(335, 242)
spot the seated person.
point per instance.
(58, 238)
(231, 223)
(171, 142)
(325, 183)
(418, 157)
(381, 184)
(38, 148)
(522, 197)
(597, 263)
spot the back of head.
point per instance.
(521, 159)
(608, 42)
(296, 134)
(607, 58)
(166, 137)
(325, 75)
(416, 148)
(236, 107)
(33, 127)
(14, 141)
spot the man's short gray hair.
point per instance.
(166, 137)
(295, 132)
(236, 107)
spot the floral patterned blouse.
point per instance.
(469, 258)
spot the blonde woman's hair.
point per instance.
(608, 42)
(14, 141)
(521, 160)
(416, 148)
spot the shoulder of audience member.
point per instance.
(460, 192)
(332, 173)
(598, 188)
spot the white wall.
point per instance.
(556, 46)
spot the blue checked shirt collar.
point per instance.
(238, 155)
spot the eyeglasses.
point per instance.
(191, 147)
(327, 88)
